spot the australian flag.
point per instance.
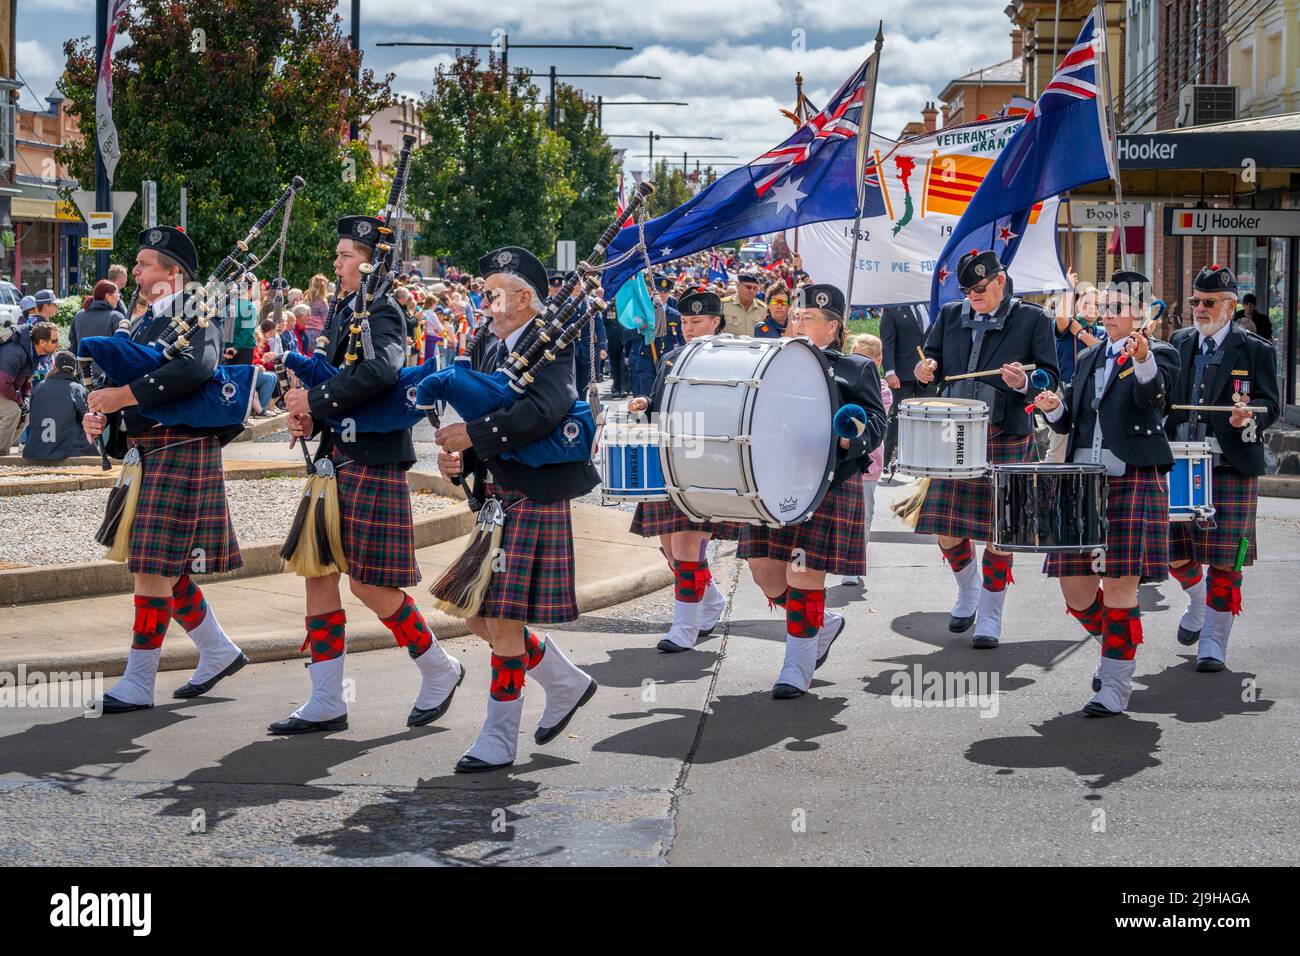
(811, 177)
(1064, 143)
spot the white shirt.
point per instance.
(1145, 371)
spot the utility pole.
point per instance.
(356, 73)
(103, 191)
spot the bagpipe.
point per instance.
(460, 589)
(226, 398)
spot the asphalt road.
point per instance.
(685, 759)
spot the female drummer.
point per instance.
(1112, 415)
(697, 604)
(790, 564)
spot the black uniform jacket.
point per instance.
(356, 384)
(1027, 336)
(1247, 365)
(1131, 412)
(536, 413)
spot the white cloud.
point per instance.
(41, 65)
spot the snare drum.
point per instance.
(1040, 507)
(629, 463)
(746, 427)
(1191, 483)
(943, 437)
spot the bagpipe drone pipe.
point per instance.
(225, 399)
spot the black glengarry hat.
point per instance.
(519, 262)
(362, 229)
(700, 303)
(820, 296)
(1215, 279)
(975, 266)
(174, 244)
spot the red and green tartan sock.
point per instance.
(188, 604)
(534, 648)
(508, 677)
(409, 628)
(326, 635)
(1224, 590)
(959, 555)
(1122, 632)
(152, 615)
(1188, 575)
(693, 578)
(1090, 616)
(805, 612)
(778, 601)
(997, 571)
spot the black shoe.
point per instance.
(959, 625)
(191, 689)
(984, 641)
(786, 692)
(1204, 664)
(418, 717)
(111, 705)
(668, 647)
(827, 653)
(545, 734)
(1187, 637)
(296, 725)
(468, 764)
(1094, 709)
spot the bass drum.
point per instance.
(746, 430)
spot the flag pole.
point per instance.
(864, 136)
(799, 115)
(1112, 137)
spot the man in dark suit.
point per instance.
(1224, 366)
(533, 577)
(989, 330)
(902, 331)
(1113, 415)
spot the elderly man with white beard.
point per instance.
(1222, 366)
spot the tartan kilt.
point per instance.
(537, 582)
(1236, 497)
(653, 518)
(182, 521)
(963, 507)
(1137, 530)
(833, 539)
(375, 518)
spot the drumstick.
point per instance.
(1216, 408)
(992, 371)
(921, 352)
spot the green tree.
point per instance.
(265, 92)
(590, 169)
(672, 188)
(492, 173)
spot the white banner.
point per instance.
(926, 185)
(105, 130)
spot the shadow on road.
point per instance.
(1107, 749)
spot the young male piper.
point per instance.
(790, 564)
(1113, 415)
(182, 520)
(374, 506)
(1223, 366)
(988, 331)
(697, 603)
(534, 580)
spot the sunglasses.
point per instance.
(1115, 308)
(979, 288)
(1208, 303)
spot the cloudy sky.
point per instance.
(733, 61)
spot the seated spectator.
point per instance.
(19, 357)
(57, 406)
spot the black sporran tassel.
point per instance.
(119, 516)
(112, 516)
(295, 529)
(460, 589)
(324, 553)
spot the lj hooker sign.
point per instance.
(1232, 222)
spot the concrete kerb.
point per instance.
(90, 578)
(234, 471)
